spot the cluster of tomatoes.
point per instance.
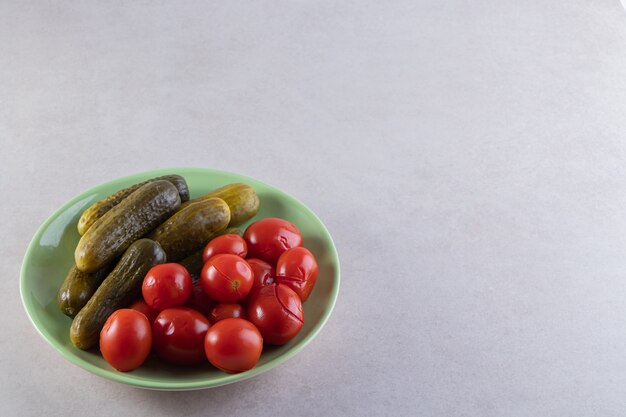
(250, 292)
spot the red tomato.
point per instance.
(126, 339)
(297, 268)
(269, 238)
(142, 307)
(230, 243)
(264, 273)
(179, 335)
(226, 278)
(199, 300)
(166, 285)
(276, 310)
(233, 345)
(226, 311)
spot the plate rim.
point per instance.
(182, 386)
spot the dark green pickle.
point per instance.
(190, 228)
(100, 208)
(136, 215)
(78, 287)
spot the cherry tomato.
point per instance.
(276, 310)
(226, 311)
(126, 339)
(269, 238)
(226, 278)
(264, 273)
(297, 268)
(166, 285)
(199, 300)
(233, 345)
(142, 307)
(179, 335)
(230, 243)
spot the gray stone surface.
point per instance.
(467, 157)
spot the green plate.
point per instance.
(51, 253)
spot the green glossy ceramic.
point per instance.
(50, 255)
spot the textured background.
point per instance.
(468, 158)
